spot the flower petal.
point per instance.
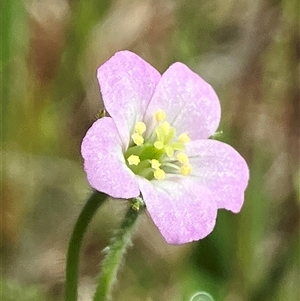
(104, 162)
(220, 168)
(182, 211)
(190, 103)
(127, 84)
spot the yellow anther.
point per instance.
(133, 160)
(155, 164)
(159, 174)
(137, 139)
(140, 127)
(158, 145)
(184, 137)
(160, 115)
(186, 169)
(166, 127)
(182, 158)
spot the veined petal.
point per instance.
(190, 103)
(220, 168)
(182, 211)
(127, 84)
(104, 162)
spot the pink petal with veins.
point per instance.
(190, 103)
(182, 211)
(127, 84)
(104, 161)
(220, 168)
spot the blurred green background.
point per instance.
(50, 50)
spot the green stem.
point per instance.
(72, 264)
(115, 252)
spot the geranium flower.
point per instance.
(155, 143)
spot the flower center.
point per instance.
(161, 153)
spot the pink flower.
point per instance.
(155, 143)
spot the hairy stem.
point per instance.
(115, 252)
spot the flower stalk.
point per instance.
(72, 262)
(116, 250)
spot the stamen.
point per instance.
(182, 158)
(159, 174)
(186, 169)
(137, 139)
(140, 127)
(162, 149)
(133, 160)
(184, 137)
(160, 115)
(155, 164)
